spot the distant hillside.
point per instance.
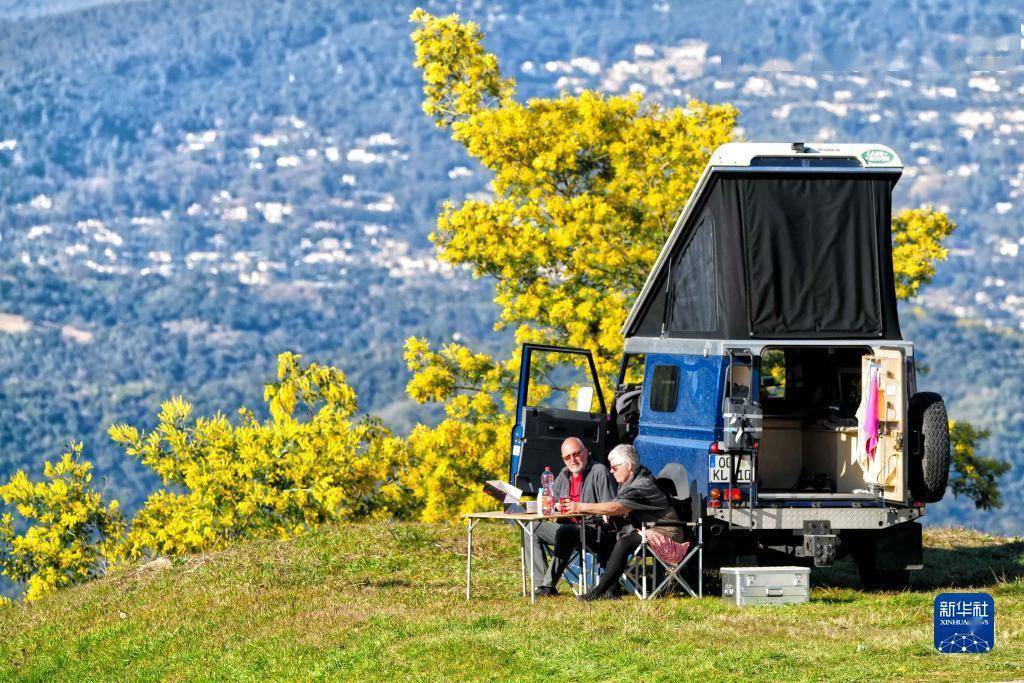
(189, 187)
(22, 9)
(387, 602)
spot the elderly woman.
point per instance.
(639, 501)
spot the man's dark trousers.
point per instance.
(564, 538)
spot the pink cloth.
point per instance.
(667, 550)
(871, 416)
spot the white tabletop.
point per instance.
(522, 516)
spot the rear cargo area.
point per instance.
(811, 445)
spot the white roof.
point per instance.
(739, 155)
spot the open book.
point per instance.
(509, 496)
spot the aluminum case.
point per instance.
(765, 585)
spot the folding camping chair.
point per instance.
(665, 560)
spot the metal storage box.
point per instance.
(765, 585)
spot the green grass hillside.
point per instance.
(383, 601)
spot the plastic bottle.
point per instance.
(547, 487)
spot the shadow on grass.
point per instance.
(982, 565)
(834, 601)
(386, 582)
(985, 565)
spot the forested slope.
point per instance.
(188, 188)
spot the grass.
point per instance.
(386, 601)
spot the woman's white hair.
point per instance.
(622, 454)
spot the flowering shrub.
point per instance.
(311, 462)
(72, 535)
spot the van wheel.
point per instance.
(928, 447)
(883, 579)
(864, 552)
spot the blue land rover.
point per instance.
(764, 361)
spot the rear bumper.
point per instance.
(794, 518)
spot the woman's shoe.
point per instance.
(590, 596)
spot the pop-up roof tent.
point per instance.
(779, 241)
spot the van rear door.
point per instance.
(559, 396)
(882, 382)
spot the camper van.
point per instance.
(764, 370)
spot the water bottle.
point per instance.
(547, 487)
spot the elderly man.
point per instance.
(583, 481)
(639, 501)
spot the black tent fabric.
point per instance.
(780, 256)
(693, 298)
(651, 322)
(811, 256)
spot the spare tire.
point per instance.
(928, 447)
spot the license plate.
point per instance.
(720, 465)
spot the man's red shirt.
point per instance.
(575, 486)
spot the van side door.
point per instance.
(559, 396)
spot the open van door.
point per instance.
(559, 396)
(882, 383)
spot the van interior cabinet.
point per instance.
(789, 450)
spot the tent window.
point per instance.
(664, 388)
(694, 305)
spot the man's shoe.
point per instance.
(546, 592)
(591, 596)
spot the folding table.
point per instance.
(527, 523)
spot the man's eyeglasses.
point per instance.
(612, 468)
(575, 455)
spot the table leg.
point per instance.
(583, 557)
(522, 558)
(643, 567)
(533, 588)
(700, 559)
(469, 555)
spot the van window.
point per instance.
(562, 381)
(632, 371)
(664, 388)
(740, 376)
(773, 375)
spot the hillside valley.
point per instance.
(188, 188)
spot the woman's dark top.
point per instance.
(647, 504)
